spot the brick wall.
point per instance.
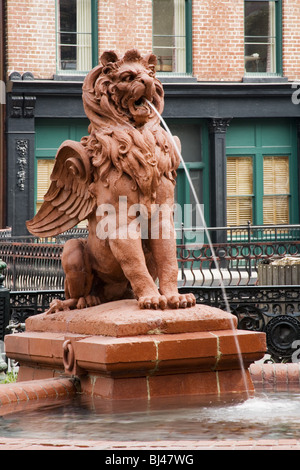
(218, 39)
(30, 44)
(218, 35)
(125, 24)
(291, 39)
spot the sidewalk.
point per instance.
(51, 444)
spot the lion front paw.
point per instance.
(58, 305)
(155, 302)
(181, 300)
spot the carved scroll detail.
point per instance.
(22, 146)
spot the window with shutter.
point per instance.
(44, 170)
(276, 190)
(239, 190)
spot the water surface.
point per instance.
(264, 416)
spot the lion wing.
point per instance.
(68, 200)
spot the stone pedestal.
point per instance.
(119, 351)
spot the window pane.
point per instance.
(260, 36)
(169, 35)
(75, 35)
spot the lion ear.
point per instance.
(109, 56)
(151, 59)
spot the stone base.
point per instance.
(120, 352)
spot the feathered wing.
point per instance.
(68, 200)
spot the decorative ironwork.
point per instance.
(22, 162)
(270, 309)
(282, 332)
(25, 304)
(219, 125)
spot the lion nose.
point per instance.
(148, 84)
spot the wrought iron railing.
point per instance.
(34, 263)
(34, 276)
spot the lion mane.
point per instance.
(125, 132)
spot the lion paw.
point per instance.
(57, 306)
(155, 302)
(89, 301)
(181, 300)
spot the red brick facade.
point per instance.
(30, 42)
(218, 35)
(291, 39)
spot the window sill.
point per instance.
(71, 78)
(264, 78)
(172, 77)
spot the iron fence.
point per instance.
(34, 263)
(34, 277)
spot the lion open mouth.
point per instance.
(139, 109)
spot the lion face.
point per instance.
(134, 88)
(124, 87)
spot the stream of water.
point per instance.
(201, 215)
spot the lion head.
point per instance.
(125, 131)
(121, 89)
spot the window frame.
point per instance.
(94, 40)
(258, 151)
(278, 35)
(188, 45)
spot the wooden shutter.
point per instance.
(276, 190)
(239, 190)
(44, 170)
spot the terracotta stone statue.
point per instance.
(118, 178)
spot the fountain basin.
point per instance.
(120, 352)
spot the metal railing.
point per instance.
(34, 276)
(34, 263)
(236, 260)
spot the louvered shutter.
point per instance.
(276, 190)
(239, 190)
(44, 170)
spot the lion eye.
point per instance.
(128, 77)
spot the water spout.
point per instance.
(200, 213)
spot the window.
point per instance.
(44, 170)
(276, 190)
(76, 36)
(172, 35)
(262, 172)
(239, 190)
(263, 37)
